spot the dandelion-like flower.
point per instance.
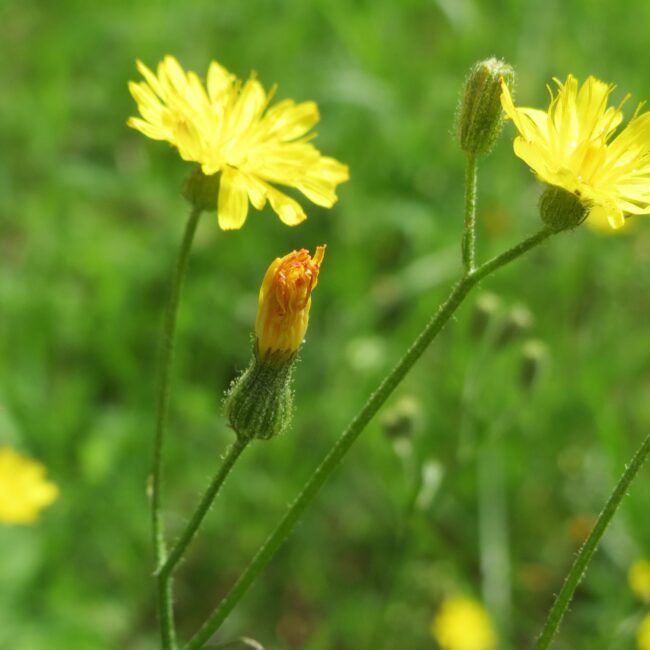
(24, 491)
(638, 578)
(463, 624)
(573, 145)
(229, 128)
(643, 634)
(285, 300)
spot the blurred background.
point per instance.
(475, 480)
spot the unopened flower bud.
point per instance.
(532, 363)
(518, 320)
(561, 210)
(480, 115)
(403, 419)
(259, 403)
(200, 190)
(485, 309)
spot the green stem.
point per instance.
(192, 527)
(343, 444)
(587, 550)
(166, 613)
(469, 235)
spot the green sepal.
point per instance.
(259, 403)
(201, 191)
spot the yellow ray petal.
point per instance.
(289, 211)
(233, 200)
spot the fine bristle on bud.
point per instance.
(480, 115)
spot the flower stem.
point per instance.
(166, 613)
(343, 444)
(192, 527)
(469, 235)
(587, 550)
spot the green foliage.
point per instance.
(91, 216)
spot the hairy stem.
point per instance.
(587, 550)
(202, 509)
(468, 244)
(165, 608)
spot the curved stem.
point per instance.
(202, 509)
(165, 608)
(469, 235)
(358, 424)
(587, 550)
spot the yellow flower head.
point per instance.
(285, 299)
(23, 488)
(638, 578)
(572, 145)
(643, 634)
(463, 624)
(228, 127)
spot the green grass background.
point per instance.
(90, 221)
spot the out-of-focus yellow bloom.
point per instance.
(643, 634)
(229, 128)
(285, 299)
(572, 146)
(24, 491)
(463, 624)
(638, 578)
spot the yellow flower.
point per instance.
(463, 624)
(572, 145)
(638, 578)
(229, 128)
(643, 634)
(23, 488)
(285, 299)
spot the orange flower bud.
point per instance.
(285, 299)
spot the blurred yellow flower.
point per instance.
(638, 578)
(572, 145)
(23, 488)
(463, 624)
(285, 300)
(229, 128)
(643, 634)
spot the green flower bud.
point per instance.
(518, 320)
(485, 309)
(403, 419)
(259, 403)
(561, 210)
(480, 115)
(532, 363)
(201, 191)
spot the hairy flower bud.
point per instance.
(480, 115)
(259, 403)
(561, 210)
(533, 357)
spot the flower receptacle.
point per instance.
(200, 190)
(561, 210)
